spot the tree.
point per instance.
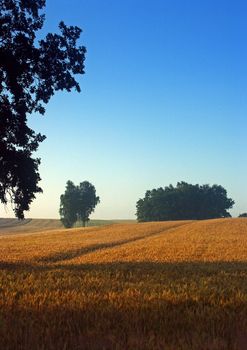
(87, 201)
(68, 205)
(243, 215)
(30, 74)
(184, 202)
(77, 203)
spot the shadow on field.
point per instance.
(153, 305)
(142, 269)
(75, 253)
(139, 327)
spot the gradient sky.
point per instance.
(163, 100)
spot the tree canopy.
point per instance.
(243, 215)
(77, 203)
(184, 202)
(30, 73)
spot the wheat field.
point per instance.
(164, 285)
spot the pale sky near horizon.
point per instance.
(163, 100)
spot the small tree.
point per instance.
(77, 203)
(243, 215)
(68, 205)
(87, 201)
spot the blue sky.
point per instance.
(163, 100)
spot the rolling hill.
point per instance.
(10, 226)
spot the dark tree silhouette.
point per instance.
(87, 201)
(243, 215)
(77, 203)
(69, 205)
(30, 74)
(184, 202)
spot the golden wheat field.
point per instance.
(163, 285)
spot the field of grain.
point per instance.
(167, 285)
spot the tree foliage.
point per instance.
(68, 205)
(30, 73)
(243, 215)
(184, 202)
(77, 203)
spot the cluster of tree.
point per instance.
(243, 215)
(77, 203)
(30, 73)
(184, 202)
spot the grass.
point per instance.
(170, 285)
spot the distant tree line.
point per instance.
(184, 202)
(77, 203)
(243, 215)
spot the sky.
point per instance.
(163, 100)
